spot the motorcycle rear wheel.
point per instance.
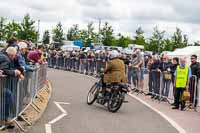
(115, 102)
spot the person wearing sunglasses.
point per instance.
(195, 67)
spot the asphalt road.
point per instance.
(133, 117)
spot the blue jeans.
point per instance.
(156, 82)
(98, 66)
(166, 87)
(83, 65)
(71, 66)
(7, 106)
(132, 76)
(60, 62)
(68, 63)
(129, 75)
(76, 64)
(53, 61)
(49, 62)
(91, 66)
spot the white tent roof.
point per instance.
(187, 52)
(70, 47)
(128, 51)
(135, 46)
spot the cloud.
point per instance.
(94, 3)
(125, 15)
(95, 9)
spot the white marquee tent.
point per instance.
(128, 51)
(187, 52)
(70, 47)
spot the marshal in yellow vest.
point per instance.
(181, 76)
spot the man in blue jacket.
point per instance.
(21, 57)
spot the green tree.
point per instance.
(88, 36)
(167, 45)
(12, 29)
(46, 37)
(92, 36)
(107, 35)
(139, 38)
(178, 40)
(84, 36)
(123, 41)
(58, 33)
(27, 29)
(73, 33)
(2, 28)
(156, 42)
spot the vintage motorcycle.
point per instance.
(113, 95)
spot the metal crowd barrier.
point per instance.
(194, 91)
(42, 74)
(161, 86)
(163, 89)
(16, 95)
(86, 65)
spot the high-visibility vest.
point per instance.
(181, 76)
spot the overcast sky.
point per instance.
(125, 15)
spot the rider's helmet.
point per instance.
(114, 54)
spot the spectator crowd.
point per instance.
(16, 58)
(163, 73)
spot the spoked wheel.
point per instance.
(115, 102)
(92, 95)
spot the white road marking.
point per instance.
(64, 113)
(62, 103)
(172, 122)
(48, 128)
(57, 118)
(60, 107)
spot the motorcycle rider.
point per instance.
(115, 70)
(112, 85)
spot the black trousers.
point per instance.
(178, 95)
(150, 82)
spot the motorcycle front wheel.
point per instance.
(92, 95)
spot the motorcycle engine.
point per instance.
(100, 99)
